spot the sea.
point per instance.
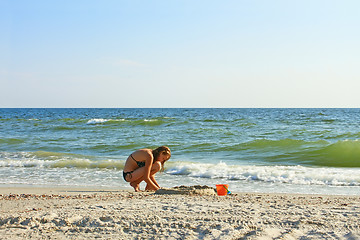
(279, 150)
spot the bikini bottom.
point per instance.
(127, 173)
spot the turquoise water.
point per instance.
(253, 150)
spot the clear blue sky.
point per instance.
(172, 53)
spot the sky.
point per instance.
(179, 53)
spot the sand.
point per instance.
(41, 213)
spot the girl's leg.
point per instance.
(138, 175)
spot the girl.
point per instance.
(142, 165)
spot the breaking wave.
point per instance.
(296, 174)
(272, 174)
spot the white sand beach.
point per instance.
(43, 213)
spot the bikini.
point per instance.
(140, 164)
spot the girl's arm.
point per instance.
(152, 184)
(154, 181)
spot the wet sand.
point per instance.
(44, 213)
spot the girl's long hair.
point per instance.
(161, 150)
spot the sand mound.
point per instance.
(188, 190)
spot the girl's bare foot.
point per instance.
(150, 189)
(136, 186)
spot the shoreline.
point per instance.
(89, 213)
(58, 190)
(28, 189)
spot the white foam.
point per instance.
(54, 160)
(97, 121)
(272, 174)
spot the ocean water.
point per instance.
(313, 151)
